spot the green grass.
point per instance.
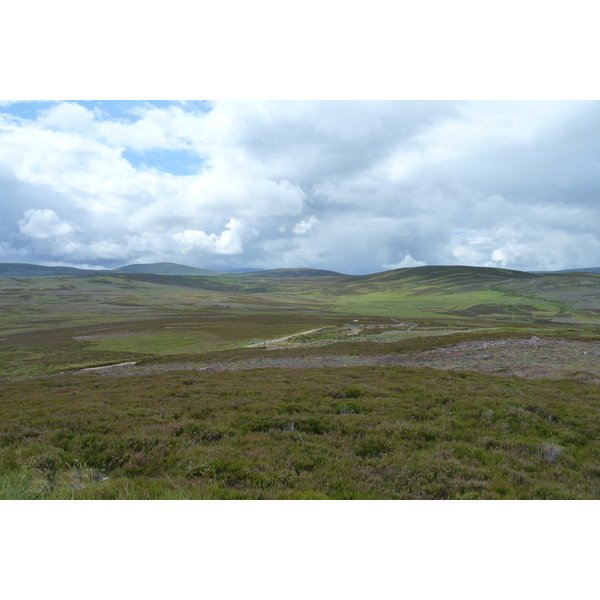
(160, 344)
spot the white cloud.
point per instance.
(192, 239)
(43, 223)
(67, 116)
(407, 261)
(305, 226)
(228, 242)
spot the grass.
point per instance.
(343, 432)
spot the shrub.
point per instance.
(349, 392)
(351, 408)
(549, 452)
(373, 448)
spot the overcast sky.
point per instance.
(357, 187)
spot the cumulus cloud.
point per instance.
(67, 116)
(305, 225)
(228, 242)
(407, 261)
(43, 223)
(351, 186)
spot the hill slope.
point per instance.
(294, 273)
(27, 270)
(459, 274)
(587, 270)
(426, 292)
(166, 268)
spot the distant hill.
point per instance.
(457, 274)
(587, 270)
(27, 270)
(166, 268)
(293, 273)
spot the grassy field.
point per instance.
(288, 419)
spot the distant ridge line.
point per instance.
(162, 268)
(595, 270)
(166, 268)
(174, 269)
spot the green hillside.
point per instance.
(455, 275)
(428, 292)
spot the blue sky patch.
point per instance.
(26, 110)
(176, 162)
(122, 110)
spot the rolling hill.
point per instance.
(163, 268)
(166, 268)
(294, 273)
(455, 273)
(27, 270)
(595, 270)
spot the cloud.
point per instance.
(407, 261)
(305, 226)
(43, 223)
(228, 242)
(351, 186)
(67, 116)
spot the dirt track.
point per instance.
(125, 364)
(283, 339)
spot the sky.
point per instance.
(353, 186)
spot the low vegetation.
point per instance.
(289, 433)
(215, 408)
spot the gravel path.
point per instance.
(283, 339)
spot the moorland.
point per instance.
(421, 383)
